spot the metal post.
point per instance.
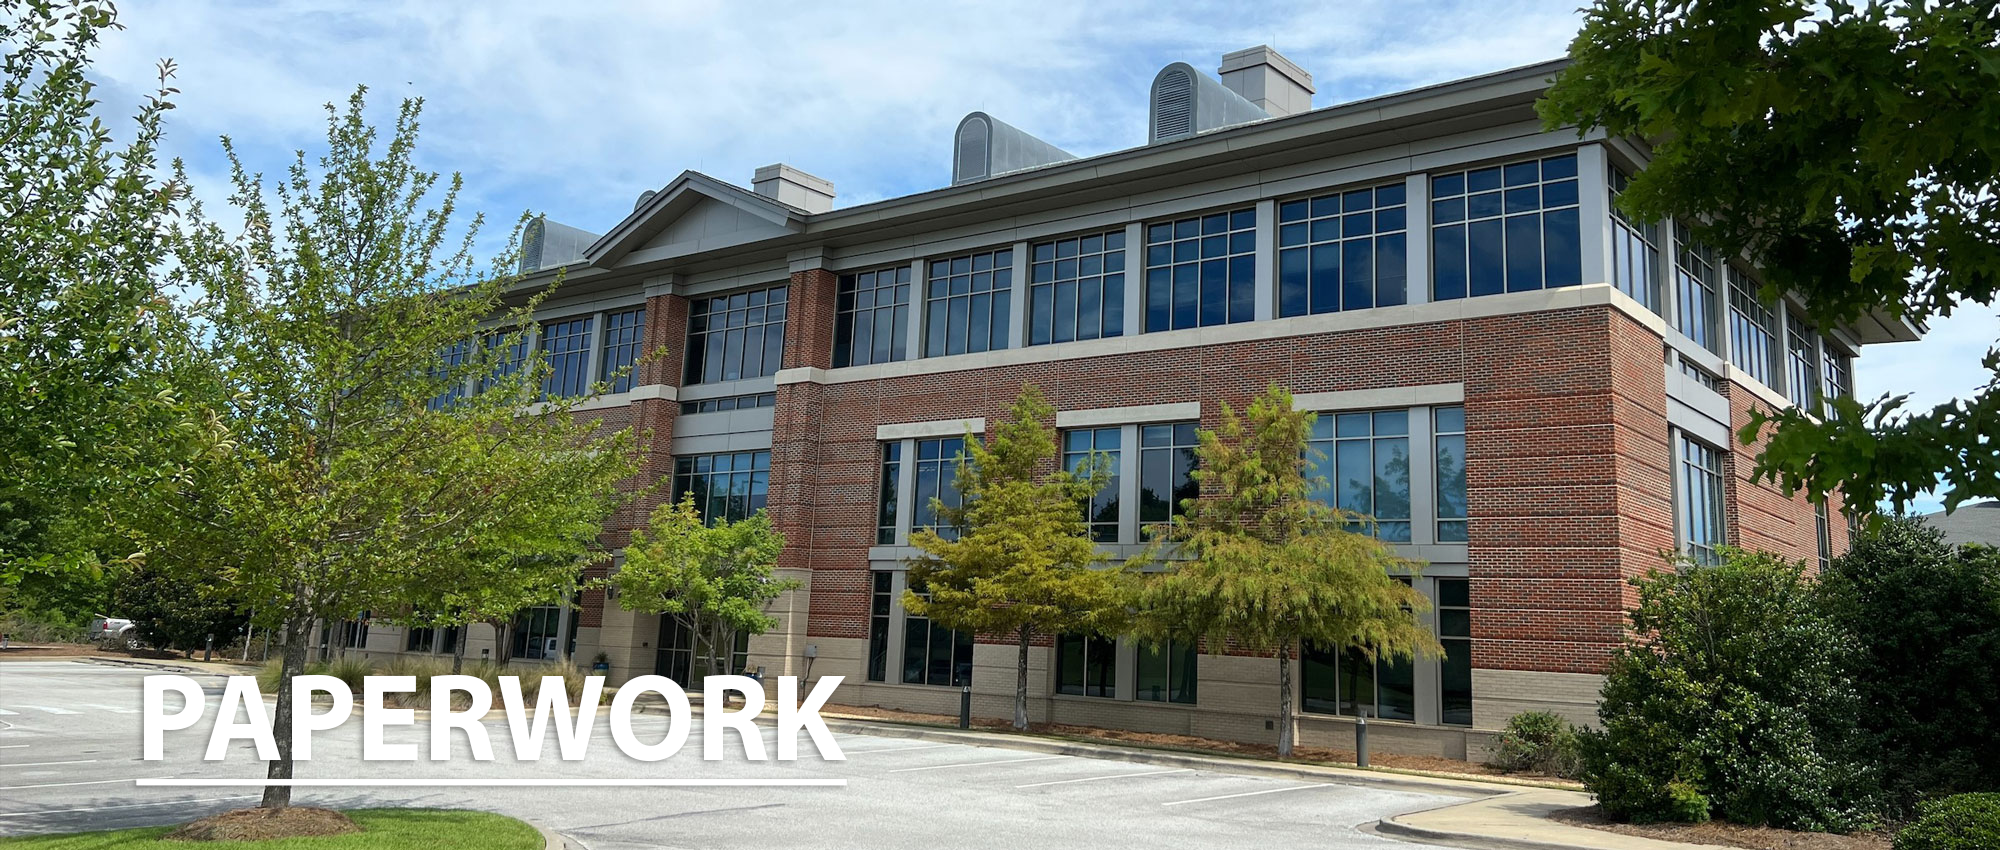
(965, 707)
(208, 650)
(1361, 739)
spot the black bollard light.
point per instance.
(208, 652)
(1361, 739)
(965, 707)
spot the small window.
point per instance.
(1454, 607)
(566, 347)
(1344, 251)
(872, 317)
(1802, 351)
(1696, 282)
(505, 363)
(885, 514)
(1201, 271)
(447, 374)
(1086, 665)
(1836, 379)
(1505, 228)
(728, 403)
(736, 336)
(937, 480)
(1448, 429)
(1077, 288)
(967, 300)
(1825, 532)
(878, 626)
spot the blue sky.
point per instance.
(573, 109)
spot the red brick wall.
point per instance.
(652, 422)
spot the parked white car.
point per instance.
(114, 631)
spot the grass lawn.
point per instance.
(382, 829)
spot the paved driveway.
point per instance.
(69, 746)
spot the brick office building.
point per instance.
(1530, 394)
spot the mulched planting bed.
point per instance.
(266, 824)
(1727, 834)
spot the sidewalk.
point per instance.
(1516, 821)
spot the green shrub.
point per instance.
(1927, 620)
(1958, 822)
(1732, 698)
(1538, 742)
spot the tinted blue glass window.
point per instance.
(967, 303)
(1511, 228)
(729, 486)
(1076, 288)
(1201, 271)
(872, 317)
(1362, 463)
(624, 336)
(1343, 251)
(736, 336)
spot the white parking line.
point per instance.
(1112, 776)
(899, 749)
(14, 747)
(68, 784)
(48, 708)
(112, 708)
(129, 806)
(6, 713)
(974, 764)
(1246, 794)
(50, 763)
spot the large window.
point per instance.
(1078, 447)
(566, 347)
(1201, 271)
(1511, 228)
(429, 640)
(1824, 530)
(878, 625)
(1363, 461)
(1166, 672)
(933, 654)
(1802, 355)
(736, 336)
(937, 481)
(872, 317)
(1753, 329)
(1454, 611)
(1077, 288)
(966, 303)
(1086, 665)
(624, 335)
(1448, 437)
(1166, 467)
(1635, 252)
(1345, 251)
(729, 486)
(1696, 281)
(1700, 496)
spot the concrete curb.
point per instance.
(1315, 773)
(1394, 828)
(553, 840)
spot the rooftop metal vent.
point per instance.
(1187, 102)
(546, 244)
(988, 147)
(644, 197)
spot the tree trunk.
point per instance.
(1021, 681)
(1285, 701)
(503, 653)
(297, 633)
(457, 652)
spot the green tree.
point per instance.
(1733, 696)
(487, 585)
(1265, 566)
(1851, 151)
(1021, 563)
(83, 219)
(336, 469)
(1927, 618)
(715, 579)
(178, 610)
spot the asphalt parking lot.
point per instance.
(70, 746)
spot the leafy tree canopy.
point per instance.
(716, 578)
(1851, 151)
